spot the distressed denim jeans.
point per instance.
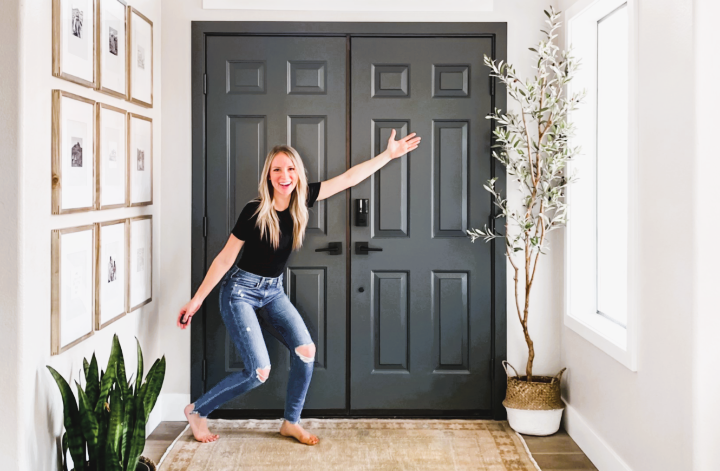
(241, 294)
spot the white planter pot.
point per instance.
(534, 422)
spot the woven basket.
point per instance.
(543, 393)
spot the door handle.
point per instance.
(361, 248)
(333, 248)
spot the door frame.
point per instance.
(497, 32)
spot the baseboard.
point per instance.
(595, 448)
(174, 405)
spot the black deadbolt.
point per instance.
(361, 289)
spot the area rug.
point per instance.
(354, 445)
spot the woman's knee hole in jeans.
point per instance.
(306, 353)
(263, 373)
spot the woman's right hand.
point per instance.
(188, 311)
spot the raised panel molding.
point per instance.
(390, 81)
(247, 153)
(451, 81)
(306, 77)
(307, 290)
(308, 136)
(390, 186)
(450, 178)
(390, 307)
(449, 294)
(246, 77)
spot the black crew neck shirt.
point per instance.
(258, 255)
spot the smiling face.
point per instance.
(283, 174)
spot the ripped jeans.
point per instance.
(241, 293)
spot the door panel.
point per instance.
(264, 91)
(421, 333)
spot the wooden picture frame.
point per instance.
(73, 59)
(72, 280)
(73, 189)
(140, 149)
(139, 261)
(140, 70)
(110, 143)
(112, 272)
(111, 40)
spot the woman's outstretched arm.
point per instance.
(219, 267)
(363, 170)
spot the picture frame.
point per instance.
(111, 157)
(110, 47)
(73, 153)
(73, 45)
(111, 275)
(140, 58)
(72, 290)
(139, 262)
(140, 160)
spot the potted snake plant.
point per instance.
(105, 424)
(532, 143)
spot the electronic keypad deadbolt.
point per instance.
(361, 212)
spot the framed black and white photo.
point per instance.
(140, 262)
(140, 160)
(73, 153)
(111, 157)
(140, 58)
(110, 272)
(72, 291)
(74, 41)
(111, 47)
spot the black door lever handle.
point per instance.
(362, 248)
(333, 248)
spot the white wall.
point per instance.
(706, 351)
(643, 420)
(39, 417)
(10, 302)
(524, 18)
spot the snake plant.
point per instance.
(105, 424)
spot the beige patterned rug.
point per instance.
(354, 445)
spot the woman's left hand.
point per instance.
(402, 146)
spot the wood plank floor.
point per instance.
(555, 453)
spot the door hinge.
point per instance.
(204, 84)
(204, 226)
(204, 370)
(492, 86)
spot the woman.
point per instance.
(272, 225)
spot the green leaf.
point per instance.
(86, 367)
(64, 451)
(115, 425)
(155, 379)
(71, 418)
(110, 374)
(139, 376)
(112, 462)
(92, 386)
(128, 429)
(138, 439)
(120, 365)
(89, 424)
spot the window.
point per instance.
(599, 259)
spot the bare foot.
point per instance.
(299, 433)
(199, 426)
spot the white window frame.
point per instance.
(580, 243)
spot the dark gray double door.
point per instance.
(418, 332)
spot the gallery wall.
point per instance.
(525, 19)
(38, 422)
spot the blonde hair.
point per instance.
(267, 219)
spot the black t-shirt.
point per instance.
(259, 256)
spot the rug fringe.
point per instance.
(527, 450)
(171, 446)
